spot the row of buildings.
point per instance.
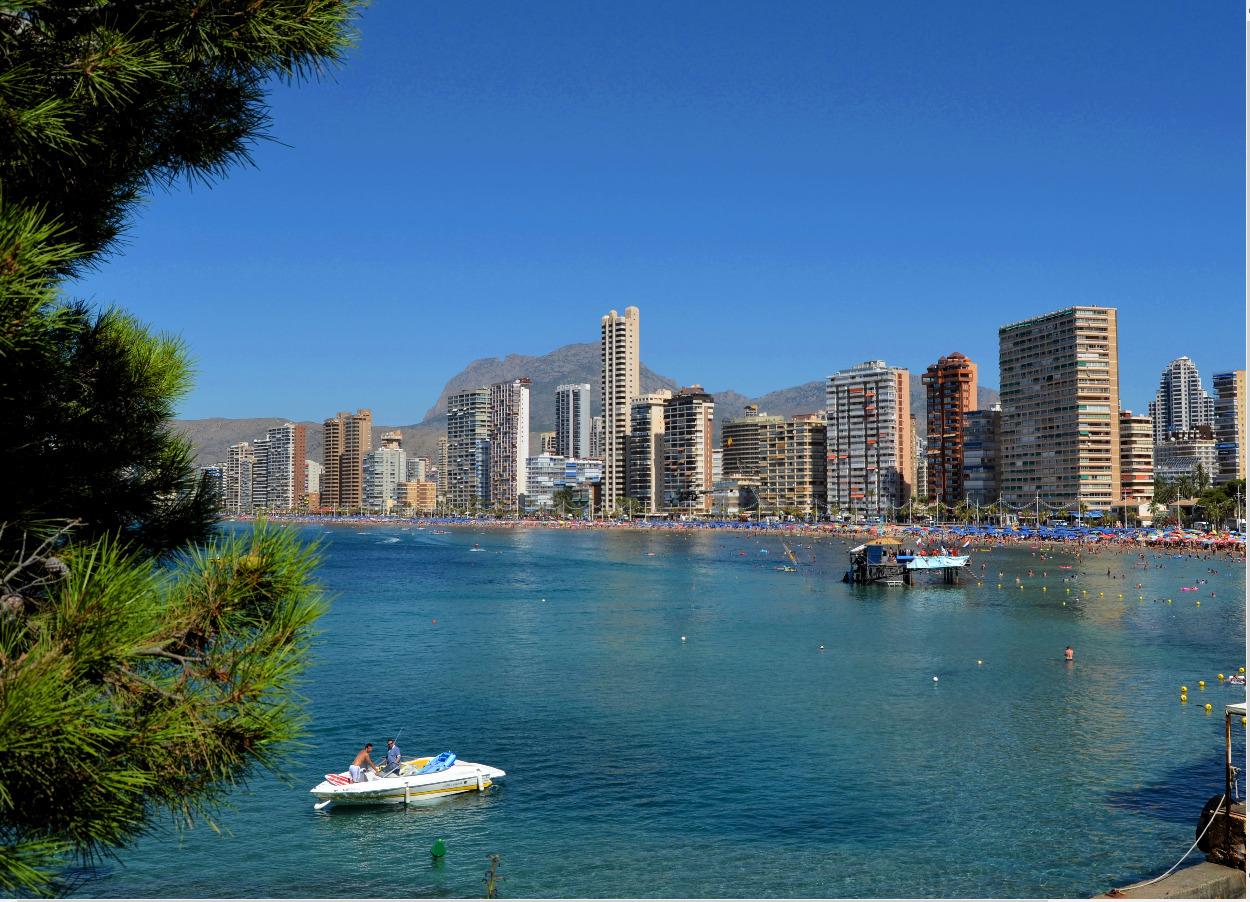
(1058, 440)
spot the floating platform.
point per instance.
(878, 561)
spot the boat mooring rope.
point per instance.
(1214, 814)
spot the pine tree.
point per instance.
(146, 665)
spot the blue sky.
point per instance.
(783, 190)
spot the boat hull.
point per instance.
(463, 776)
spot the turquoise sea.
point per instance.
(742, 760)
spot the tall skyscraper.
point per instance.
(1181, 403)
(869, 447)
(509, 436)
(573, 421)
(238, 478)
(284, 481)
(740, 440)
(384, 469)
(260, 474)
(619, 337)
(1230, 425)
(950, 392)
(350, 437)
(981, 465)
(467, 423)
(1136, 459)
(1060, 393)
(442, 459)
(645, 455)
(688, 446)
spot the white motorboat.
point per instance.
(418, 780)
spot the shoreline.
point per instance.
(959, 537)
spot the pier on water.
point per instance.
(884, 560)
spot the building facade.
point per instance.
(1184, 452)
(688, 446)
(1181, 403)
(384, 469)
(347, 439)
(548, 473)
(869, 449)
(981, 483)
(644, 472)
(950, 392)
(1136, 459)
(509, 436)
(620, 385)
(284, 476)
(417, 496)
(1060, 395)
(467, 424)
(740, 440)
(1230, 425)
(547, 442)
(573, 420)
(237, 481)
(792, 465)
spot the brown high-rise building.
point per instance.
(950, 392)
(1136, 459)
(348, 438)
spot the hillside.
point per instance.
(575, 363)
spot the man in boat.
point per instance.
(362, 760)
(392, 757)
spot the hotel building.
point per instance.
(792, 464)
(688, 450)
(644, 475)
(950, 392)
(573, 420)
(1060, 395)
(467, 423)
(869, 449)
(1137, 473)
(348, 438)
(1230, 425)
(1184, 452)
(1181, 402)
(980, 456)
(238, 478)
(620, 385)
(509, 435)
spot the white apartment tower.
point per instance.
(1181, 403)
(644, 479)
(509, 436)
(573, 421)
(284, 483)
(619, 344)
(869, 447)
(238, 480)
(688, 448)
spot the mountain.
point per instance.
(571, 364)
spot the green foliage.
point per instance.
(137, 677)
(131, 689)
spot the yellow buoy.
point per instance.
(1221, 677)
(1243, 721)
(1200, 602)
(1184, 698)
(1000, 585)
(1100, 594)
(1184, 689)
(1208, 707)
(1241, 670)
(1083, 592)
(978, 662)
(1141, 597)
(1121, 596)
(1043, 588)
(1202, 684)
(1169, 601)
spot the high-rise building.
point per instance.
(284, 480)
(619, 346)
(547, 442)
(644, 479)
(212, 482)
(442, 458)
(950, 392)
(981, 468)
(468, 415)
(238, 478)
(740, 440)
(869, 449)
(1060, 394)
(792, 464)
(1181, 402)
(348, 437)
(384, 469)
(596, 437)
(417, 495)
(260, 474)
(509, 436)
(548, 473)
(312, 477)
(573, 420)
(1136, 459)
(416, 469)
(1184, 452)
(1230, 425)
(919, 457)
(688, 446)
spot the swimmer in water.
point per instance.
(1067, 653)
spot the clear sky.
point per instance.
(783, 189)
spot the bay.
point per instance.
(742, 760)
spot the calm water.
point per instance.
(743, 761)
